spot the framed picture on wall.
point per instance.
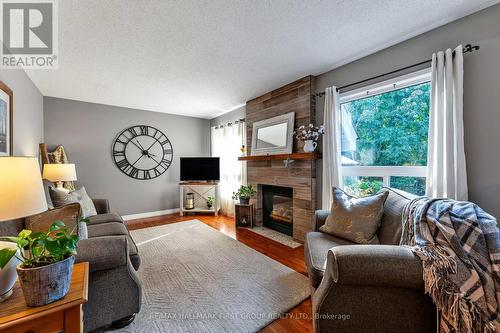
(6, 114)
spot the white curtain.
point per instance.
(226, 144)
(331, 145)
(446, 170)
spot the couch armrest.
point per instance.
(375, 265)
(320, 218)
(103, 252)
(101, 206)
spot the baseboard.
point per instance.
(150, 214)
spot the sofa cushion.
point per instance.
(60, 198)
(355, 219)
(113, 229)
(107, 229)
(391, 226)
(316, 248)
(104, 218)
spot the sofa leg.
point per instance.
(123, 322)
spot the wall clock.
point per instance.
(142, 152)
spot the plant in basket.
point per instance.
(47, 260)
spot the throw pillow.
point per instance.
(355, 219)
(60, 198)
(69, 214)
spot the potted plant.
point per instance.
(244, 194)
(47, 260)
(309, 135)
(210, 202)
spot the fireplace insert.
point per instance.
(277, 208)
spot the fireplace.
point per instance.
(277, 208)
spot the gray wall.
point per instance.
(28, 112)
(481, 91)
(231, 116)
(87, 131)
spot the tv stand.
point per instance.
(201, 191)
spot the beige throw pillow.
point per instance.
(60, 198)
(355, 219)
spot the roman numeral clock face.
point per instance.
(142, 152)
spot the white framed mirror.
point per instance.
(274, 135)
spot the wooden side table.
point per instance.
(243, 214)
(64, 315)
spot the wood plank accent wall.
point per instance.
(301, 175)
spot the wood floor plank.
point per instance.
(299, 318)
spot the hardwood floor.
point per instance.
(298, 319)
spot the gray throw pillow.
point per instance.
(60, 198)
(355, 219)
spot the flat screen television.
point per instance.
(200, 169)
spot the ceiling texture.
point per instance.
(203, 58)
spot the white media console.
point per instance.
(201, 192)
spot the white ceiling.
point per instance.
(203, 58)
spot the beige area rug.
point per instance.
(276, 236)
(196, 279)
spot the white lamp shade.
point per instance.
(21, 188)
(59, 172)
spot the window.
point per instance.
(384, 135)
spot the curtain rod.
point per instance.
(466, 49)
(242, 120)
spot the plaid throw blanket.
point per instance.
(459, 246)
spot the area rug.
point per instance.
(276, 236)
(196, 279)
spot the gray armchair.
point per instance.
(368, 288)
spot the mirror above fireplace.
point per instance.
(273, 135)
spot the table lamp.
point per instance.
(21, 195)
(59, 173)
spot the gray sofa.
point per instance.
(368, 288)
(114, 289)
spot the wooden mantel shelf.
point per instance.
(293, 156)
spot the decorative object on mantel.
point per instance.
(20, 178)
(273, 135)
(243, 215)
(287, 159)
(244, 194)
(309, 135)
(243, 150)
(6, 120)
(142, 152)
(59, 173)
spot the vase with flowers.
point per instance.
(309, 135)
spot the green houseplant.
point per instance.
(47, 260)
(244, 194)
(210, 202)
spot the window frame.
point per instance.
(385, 172)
